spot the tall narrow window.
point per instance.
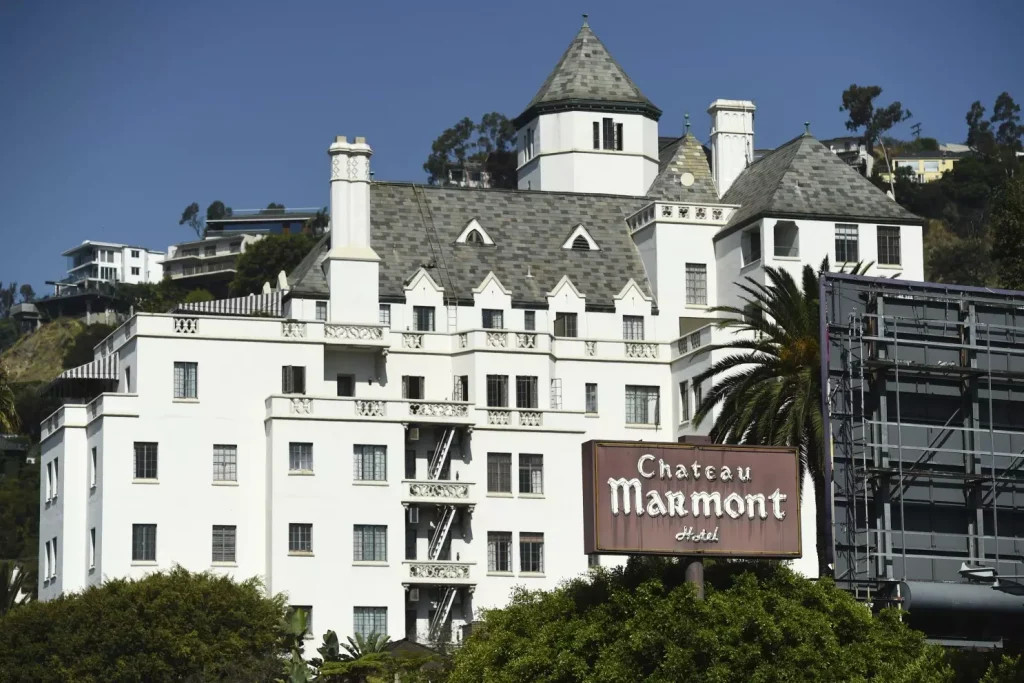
(224, 543)
(608, 131)
(413, 387)
(618, 136)
(531, 473)
(787, 239)
(889, 245)
(526, 392)
(145, 460)
(293, 379)
(696, 284)
(597, 135)
(300, 457)
(346, 385)
(499, 549)
(460, 388)
(698, 395)
(565, 325)
(410, 542)
(642, 405)
(93, 464)
(499, 472)
(50, 489)
(367, 621)
(185, 380)
(370, 463)
(633, 327)
(47, 562)
(370, 543)
(497, 391)
(225, 462)
(55, 566)
(300, 538)
(530, 320)
(92, 548)
(531, 553)
(847, 243)
(684, 402)
(143, 542)
(410, 464)
(591, 398)
(423, 317)
(384, 316)
(321, 310)
(493, 319)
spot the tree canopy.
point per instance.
(81, 350)
(193, 219)
(264, 259)
(489, 145)
(168, 626)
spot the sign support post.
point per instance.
(695, 574)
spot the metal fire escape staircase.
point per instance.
(444, 608)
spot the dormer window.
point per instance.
(580, 240)
(474, 237)
(608, 135)
(581, 243)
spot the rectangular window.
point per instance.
(499, 550)
(293, 379)
(888, 245)
(696, 284)
(185, 380)
(529, 320)
(49, 482)
(410, 543)
(618, 137)
(787, 239)
(597, 135)
(591, 397)
(368, 621)
(698, 395)
(608, 127)
(56, 562)
(931, 167)
(308, 611)
(135, 253)
(413, 387)
(145, 460)
(210, 251)
(642, 405)
(565, 325)
(847, 243)
(633, 327)
(321, 310)
(370, 463)
(47, 562)
(384, 316)
(531, 473)
(497, 391)
(531, 553)
(92, 548)
(499, 472)
(300, 457)
(143, 542)
(493, 320)
(684, 402)
(300, 538)
(410, 464)
(135, 270)
(346, 385)
(224, 543)
(423, 317)
(526, 392)
(370, 543)
(460, 389)
(92, 469)
(751, 246)
(56, 477)
(225, 462)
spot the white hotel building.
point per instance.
(400, 445)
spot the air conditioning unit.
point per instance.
(414, 433)
(414, 595)
(414, 515)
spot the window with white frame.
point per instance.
(370, 463)
(787, 239)
(300, 457)
(750, 246)
(54, 566)
(135, 253)
(225, 462)
(497, 391)
(696, 284)
(413, 387)
(135, 270)
(493, 319)
(889, 245)
(847, 243)
(611, 135)
(423, 318)
(143, 542)
(370, 543)
(698, 395)
(92, 548)
(300, 538)
(293, 379)
(384, 315)
(591, 397)
(529, 320)
(47, 562)
(321, 310)
(565, 325)
(346, 385)
(499, 551)
(145, 460)
(684, 402)
(224, 537)
(531, 553)
(49, 482)
(526, 392)
(499, 473)
(642, 405)
(531, 473)
(93, 464)
(368, 621)
(633, 327)
(186, 380)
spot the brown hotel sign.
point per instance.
(682, 499)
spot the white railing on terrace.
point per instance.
(438, 572)
(438, 492)
(694, 341)
(386, 410)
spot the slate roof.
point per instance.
(588, 74)
(685, 155)
(803, 178)
(528, 229)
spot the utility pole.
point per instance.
(916, 130)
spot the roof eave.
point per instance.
(534, 110)
(730, 229)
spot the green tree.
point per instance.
(998, 138)
(1008, 233)
(8, 297)
(150, 297)
(216, 211)
(193, 219)
(81, 350)
(1006, 670)
(14, 590)
(758, 622)
(8, 414)
(263, 260)
(197, 296)
(19, 524)
(318, 223)
(9, 332)
(876, 121)
(489, 145)
(770, 392)
(168, 626)
(273, 207)
(27, 293)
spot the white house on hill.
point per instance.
(399, 445)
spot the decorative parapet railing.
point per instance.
(438, 409)
(590, 348)
(463, 340)
(342, 332)
(499, 417)
(435, 492)
(412, 341)
(186, 325)
(497, 340)
(526, 340)
(439, 573)
(695, 340)
(531, 418)
(371, 408)
(406, 411)
(302, 406)
(293, 330)
(641, 350)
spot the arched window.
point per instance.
(581, 243)
(474, 237)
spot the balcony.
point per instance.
(694, 341)
(376, 409)
(438, 573)
(437, 492)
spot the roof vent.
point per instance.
(529, 271)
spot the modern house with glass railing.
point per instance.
(392, 436)
(93, 264)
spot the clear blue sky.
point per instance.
(116, 115)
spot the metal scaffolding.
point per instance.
(925, 403)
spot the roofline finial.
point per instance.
(585, 24)
(807, 127)
(687, 117)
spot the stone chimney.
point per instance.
(352, 265)
(732, 140)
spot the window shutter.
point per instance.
(286, 384)
(597, 135)
(618, 136)
(300, 379)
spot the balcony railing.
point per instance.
(439, 573)
(385, 410)
(437, 492)
(695, 340)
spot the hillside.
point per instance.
(38, 357)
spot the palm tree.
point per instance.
(364, 645)
(8, 416)
(769, 393)
(12, 579)
(356, 661)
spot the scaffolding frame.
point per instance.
(924, 397)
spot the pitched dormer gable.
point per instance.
(474, 235)
(580, 240)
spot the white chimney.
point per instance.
(732, 140)
(352, 265)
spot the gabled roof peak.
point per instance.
(684, 174)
